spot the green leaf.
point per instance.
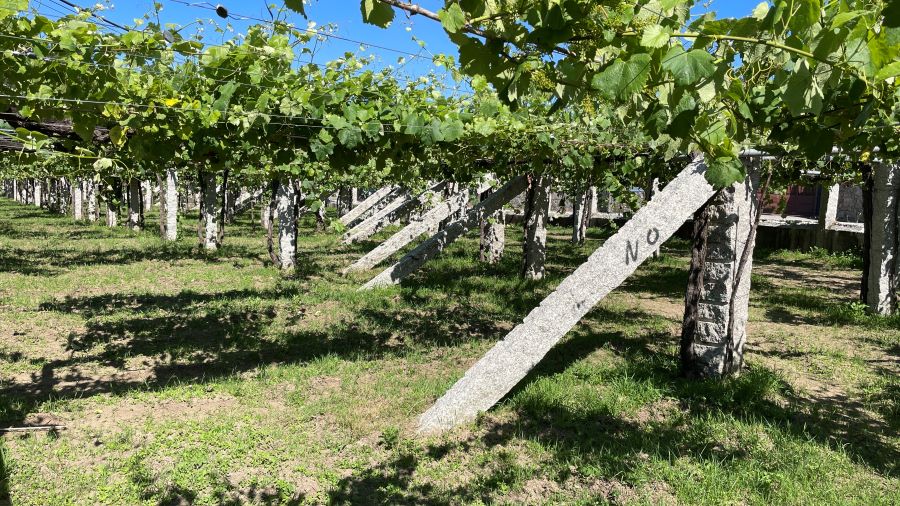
(724, 172)
(845, 17)
(623, 78)
(452, 18)
(655, 36)
(888, 71)
(761, 11)
(296, 5)
(11, 7)
(103, 163)
(802, 93)
(688, 67)
(376, 13)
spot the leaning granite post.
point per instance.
(881, 296)
(429, 249)
(428, 222)
(391, 213)
(368, 204)
(510, 360)
(718, 295)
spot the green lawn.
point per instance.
(187, 378)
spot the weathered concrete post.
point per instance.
(583, 206)
(428, 223)
(93, 213)
(511, 359)
(38, 193)
(368, 205)
(537, 213)
(147, 189)
(718, 294)
(170, 203)
(429, 249)
(78, 200)
(578, 211)
(287, 224)
(135, 203)
(389, 214)
(881, 294)
(210, 215)
(493, 233)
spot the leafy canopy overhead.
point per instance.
(801, 74)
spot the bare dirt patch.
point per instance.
(130, 413)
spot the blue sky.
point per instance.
(344, 14)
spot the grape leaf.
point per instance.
(688, 67)
(655, 36)
(724, 172)
(623, 77)
(376, 13)
(452, 18)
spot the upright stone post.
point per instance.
(171, 204)
(537, 213)
(93, 213)
(147, 187)
(40, 193)
(578, 210)
(112, 214)
(881, 296)
(78, 200)
(717, 300)
(135, 202)
(493, 234)
(287, 224)
(210, 217)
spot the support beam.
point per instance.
(510, 360)
(390, 214)
(358, 212)
(429, 249)
(428, 222)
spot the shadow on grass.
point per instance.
(610, 444)
(5, 499)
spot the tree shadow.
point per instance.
(5, 499)
(615, 445)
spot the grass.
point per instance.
(186, 377)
